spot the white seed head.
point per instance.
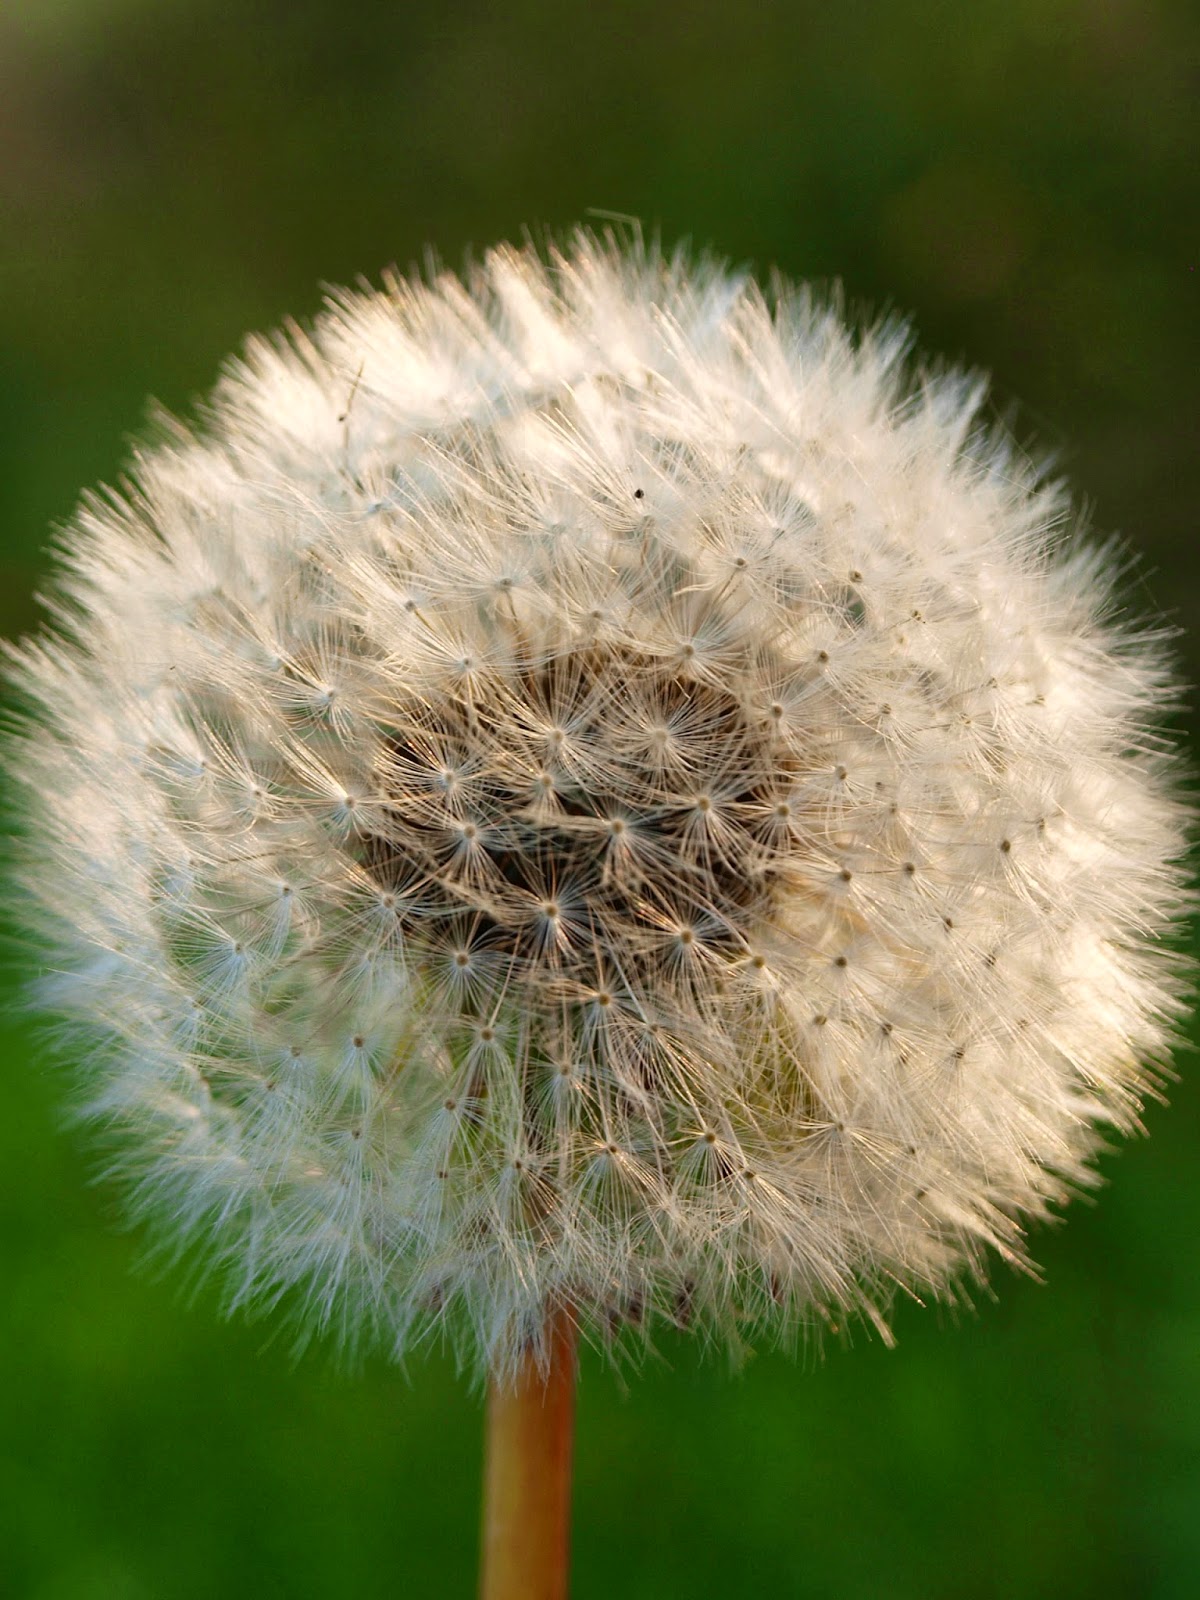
(595, 785)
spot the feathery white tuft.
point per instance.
(594, 785)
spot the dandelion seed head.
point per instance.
(596, 786)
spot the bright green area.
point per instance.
(1022, 176)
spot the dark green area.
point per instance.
(1021, 175)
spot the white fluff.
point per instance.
(595, 785)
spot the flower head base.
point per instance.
(589, 787)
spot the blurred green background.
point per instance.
(1022, 176)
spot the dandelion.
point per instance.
(590, 798)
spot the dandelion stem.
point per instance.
(527, 1474)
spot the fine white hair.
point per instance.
(595, 785)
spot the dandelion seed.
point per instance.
(645, 717)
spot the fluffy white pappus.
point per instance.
(597, 786)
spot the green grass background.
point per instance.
(1021, 175)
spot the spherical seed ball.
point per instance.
(596, 785)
